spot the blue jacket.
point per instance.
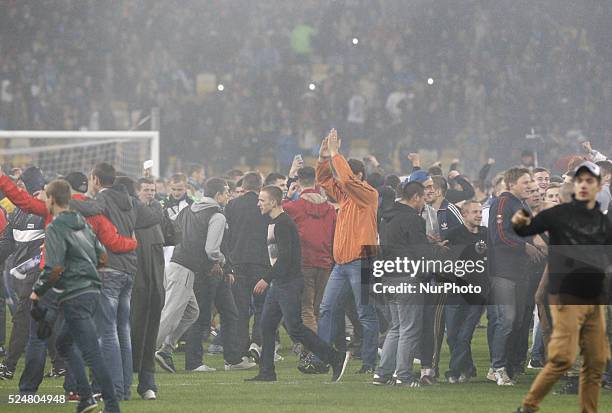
(506, 254)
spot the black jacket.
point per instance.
(193, 223)
(247, 231)
(580, 247)
(403, 235)
(284, 250)
(23, 237)
(127, 214)
(506, 254)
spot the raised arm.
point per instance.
(21, 198)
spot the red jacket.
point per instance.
(315, 219)
(102, 227)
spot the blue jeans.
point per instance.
(343, 277)
(113, 323)
(36, 349)
(78, 328)
(537, 349)
(461, 321)
(505, 309)
(403, 337)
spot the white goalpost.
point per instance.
(62, 152)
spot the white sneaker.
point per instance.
(255, 351)
(417, 361)
(491, 374)
(502, 378)
(278, 357)
(204, 368)
(463, 378)
(245, 364)
(149, 395)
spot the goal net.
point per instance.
(62, 152)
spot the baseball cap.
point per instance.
(77, 181)
(589, 167)
(417, 176)
(33, 179)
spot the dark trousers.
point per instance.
(79, 329)
(208, 291)
(36, 350)
(21, 320)
(461, 321)
(284, 301)
(2, 312)
(246, 277)
(147, 302)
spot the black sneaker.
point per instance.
(339, 365)
(365, 370)
(570, 387)
(55, 373)
(535, 364)
(5, 373)
(87, 405)
(165, 361)
(263, 377)
(383, 380)
(407, 383)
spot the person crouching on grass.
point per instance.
(285, 282)
(72, 256)
(580, 238)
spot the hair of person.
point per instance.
(274, 192)
(194, 167)
(214, 186)
(540, 169)
(178, 178)
(160, 181)
(251, 181)
(411, 189)
(606, 167)
(440, 183)
(105, 172)
(142, 181)
(234, 173)
(512, 175)
(376, 180)
(553, 185)
(386, 195)
(393, 181)
(565, 192)
(306, 175)
(497, 179)
(435, 170)
(357, 166)
(273, 177)
(231, 185)
(128, 183)
(59, 190)
(465, 204)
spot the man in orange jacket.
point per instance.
(355, 238)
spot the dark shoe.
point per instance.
(607, 385)
(55, 373)
(570, 387)
(535, 364)
(383, 380)
(263, 377)
(339, 365)
(165, 361)
(365, 370)
(407, 383)
(5, 373)
(87, 405)
(523, 410)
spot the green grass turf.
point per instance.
(294, 392)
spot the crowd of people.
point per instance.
(431, 75)
(124, 269)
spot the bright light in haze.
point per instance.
(355, 41)
(220, 87)
(430, 81)
(312, 86)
